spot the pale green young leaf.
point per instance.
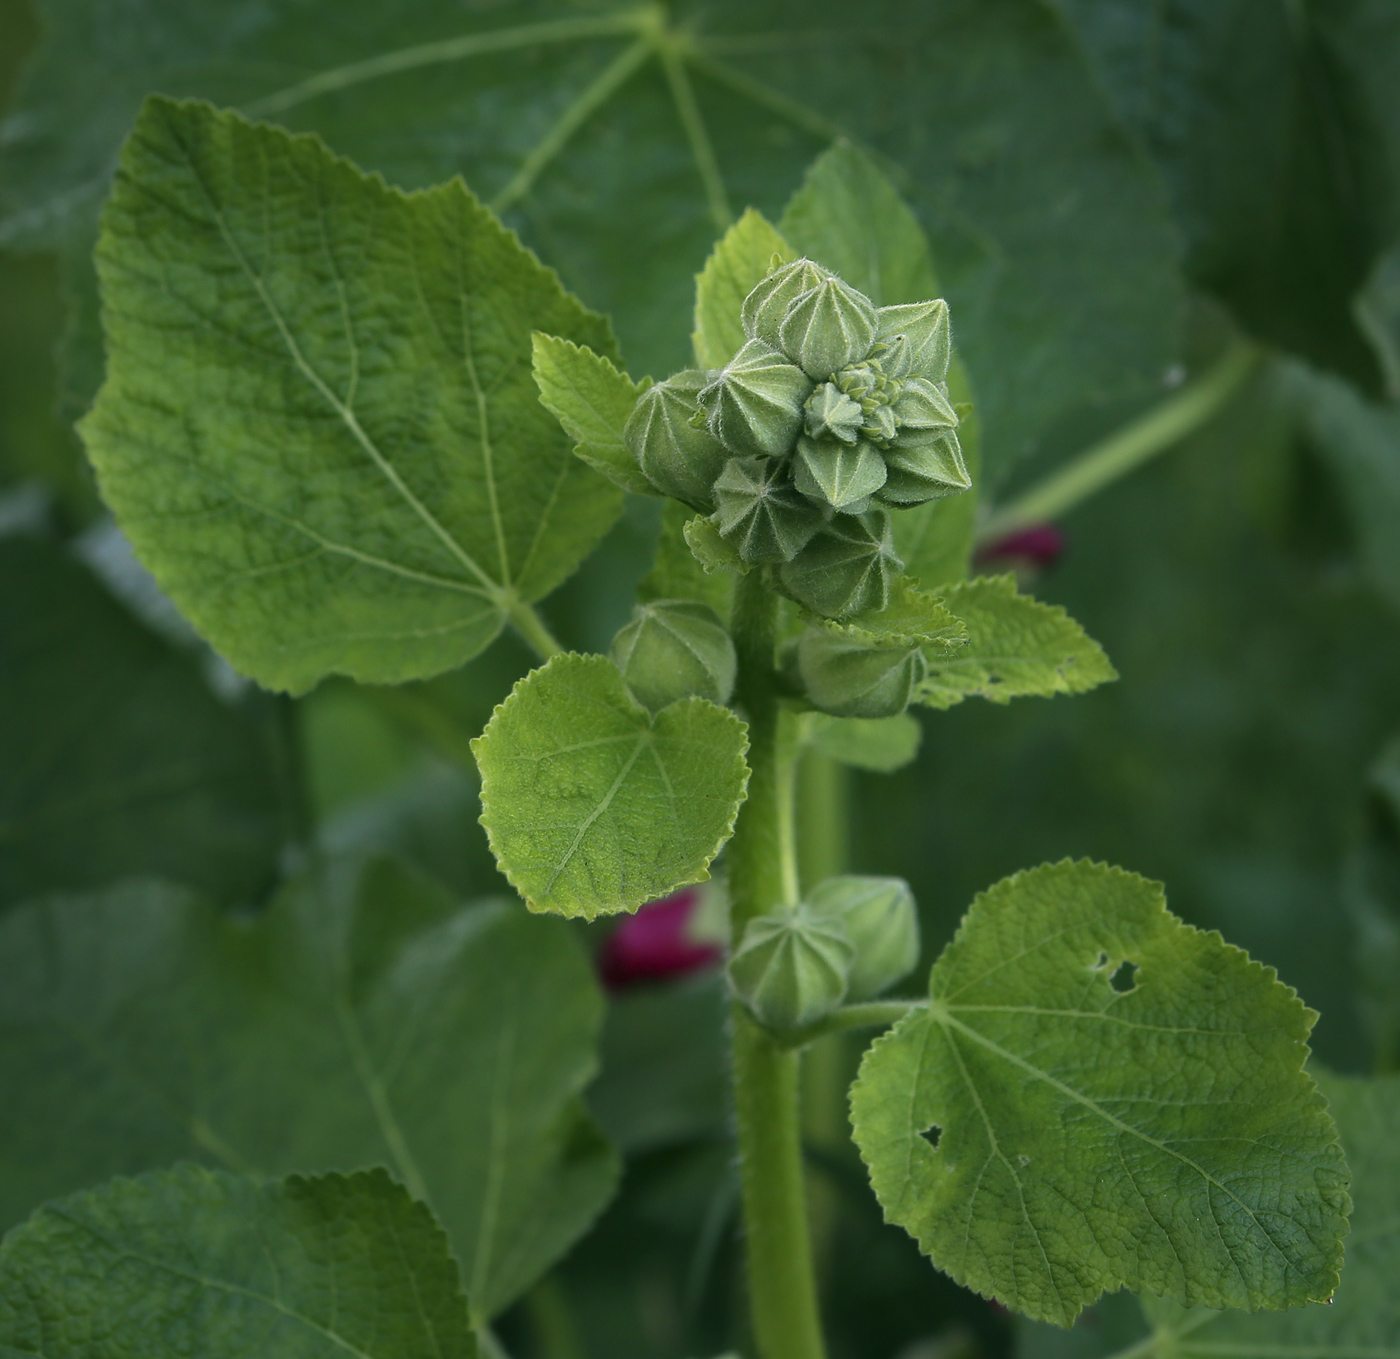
(592, 805)
(910, 617)
(1018, 647)
(319, 426)
(1363, 1320)
(1102, 1127)
(740, 260)
(592, 399)
(881, 744)
(200, 1262)
(849, 217)
(115, 757)
(676, 573)
(361, 1019)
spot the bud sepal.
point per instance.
(792, 967)
(761, 513)
(848, 567)
(753, 405)
(674, 649)
(881, 924)
(678, 458)
(838, 476)
(827, 327)
(845, 677)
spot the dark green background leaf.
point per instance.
(192, 1261)
(362, 1019)
(115, 757)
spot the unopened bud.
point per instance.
(678, 458)
(847, 568)
(674, 649)
(841, 476)
(846, 678)
(828, 327)
(923, 405)
(920, 471)
(881, 923)
(760, 511)
(753, 405)
(766, 305)
(926, 345)
(830, 413)
(791, 967)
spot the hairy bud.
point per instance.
(881, 924)
(827, 328)
(920, 471)
(791, 967)
(847, 567)
(754, 403)
(840, 476)
(919, 339)
(923, 405)
(760, 511)
(830, 413)
(678, 458)
(767, 304)
(673, 649)
(845, 678)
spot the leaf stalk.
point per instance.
(1129, 447)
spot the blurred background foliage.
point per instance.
(1115, 192)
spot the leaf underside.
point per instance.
(193, 1261)
(319, 427)
(594, 807)
(1098, 1127)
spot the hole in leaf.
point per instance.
(932, 1136)
(1122, 978)
(1025, 1160)
(1102, 962)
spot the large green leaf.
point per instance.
(360, 1020)
(1017, 647)
(1051, 233)
(115, 757)
(848, 216)
(1269, 122)
(319, 426)
(193, 1261)
(738, 263)
(1363, 1321)
(593, 805)
(1099, 1096)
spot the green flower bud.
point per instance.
(767, 304)
(673, 649)
(827, 328)
(881, 923)
(918, 337)
(838, 475)
(847, 568)
(678, 458)
(754, 403)
(761, 512)
(920, 471)
(791, 967)
(830, 413)
(923, 405)
(880, 426)
(846, 678)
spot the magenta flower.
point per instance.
(1038, 546)
(656, 943)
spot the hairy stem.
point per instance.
(531, 627)
(782, 1282)
(1125, 449)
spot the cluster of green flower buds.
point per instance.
(852, 938)
(674, 649)
(831, 411)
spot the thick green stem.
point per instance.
(782, 1283)
(1127, 448)
(871, 1014)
